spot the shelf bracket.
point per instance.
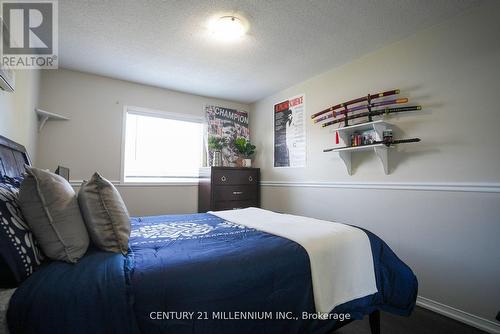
(43, 116)
(379, 128)
(382, 154)
(343, 136)
(41, 122)
(380, 149)
(346, 157)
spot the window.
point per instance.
(161, 146)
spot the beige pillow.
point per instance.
(105, 214)
(50, 207)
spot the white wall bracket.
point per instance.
(346, 157)
(44, 116)
(383, 153)
(381, 150)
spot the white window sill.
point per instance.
(174, 181)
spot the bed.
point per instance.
(196, 273)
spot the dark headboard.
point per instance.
(13, 157)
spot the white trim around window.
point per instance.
(127, 109)
(163, 114)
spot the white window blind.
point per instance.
(161, 146)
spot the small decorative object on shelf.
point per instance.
(246, 149)
(217, 161)
(387, 135)
(215, 145)
(363, 138)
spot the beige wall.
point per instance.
(441, 214)
(91, 140)
(151, 199)
(452, 70)
(17, 110)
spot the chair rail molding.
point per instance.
(482, 187)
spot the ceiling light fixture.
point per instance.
(228, 28)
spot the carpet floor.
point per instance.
(421, 321)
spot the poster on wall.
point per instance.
(290, 133)
(227, 124)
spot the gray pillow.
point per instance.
(105, 214)
(51, 210)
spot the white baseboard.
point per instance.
(459, 315)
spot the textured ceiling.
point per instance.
(166, 43)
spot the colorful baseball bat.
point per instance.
(361, 99)
(372, 105)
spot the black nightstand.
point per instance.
(226, 188)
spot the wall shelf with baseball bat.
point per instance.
(366, 136)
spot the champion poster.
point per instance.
(290, 133)
(228, 124)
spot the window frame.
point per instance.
(159, 114)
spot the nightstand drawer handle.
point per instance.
(250, 178)
(223, 179)
(237, 192)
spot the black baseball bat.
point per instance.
(386, 142)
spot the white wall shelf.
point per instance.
(380, 150)
(44, 116)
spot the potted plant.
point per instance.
(246, 149)
(215, 144)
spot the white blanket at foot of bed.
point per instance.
(340, 255)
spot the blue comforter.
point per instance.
(196, 274)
